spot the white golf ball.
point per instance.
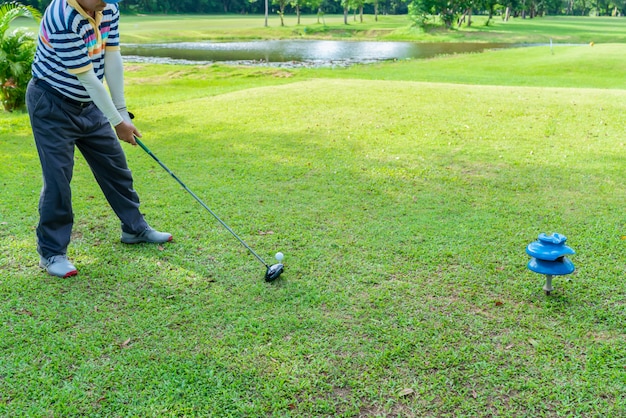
(279, 256)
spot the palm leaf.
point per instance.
(13, 10)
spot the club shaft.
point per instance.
(141, 144)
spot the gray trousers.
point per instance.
(58, 126)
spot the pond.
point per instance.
(289, 53)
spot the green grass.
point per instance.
(173, 28)
(561, 29)
(147, 29)
(403, 196)
(562, 66)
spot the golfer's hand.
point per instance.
(126, 132)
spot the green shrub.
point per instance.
(17, 50)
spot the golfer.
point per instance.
(69, 106)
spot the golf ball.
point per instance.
(279, 256)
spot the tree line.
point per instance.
(447, 10)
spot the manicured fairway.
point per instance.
(403, 196)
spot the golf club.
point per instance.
(272, 271)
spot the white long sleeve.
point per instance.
(100, 96)
(114, 75)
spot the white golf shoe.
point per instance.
(148, 235)
(58, 265)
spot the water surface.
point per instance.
(297, 52)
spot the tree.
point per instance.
(421, 10)
(17, 51)
(466, 17)
(317, 5)
(297, 5)
(346, 8)
(490, 5)
(375, 3)
(281, 9)
(358, 5)
(419, 13)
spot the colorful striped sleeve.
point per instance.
(110, 33)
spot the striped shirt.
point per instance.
(71, 42)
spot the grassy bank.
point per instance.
(403, 196)
(148, 29)
(559, 29)
(560, 66)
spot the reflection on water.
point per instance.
(297, 52)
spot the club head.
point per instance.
(273, 272)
